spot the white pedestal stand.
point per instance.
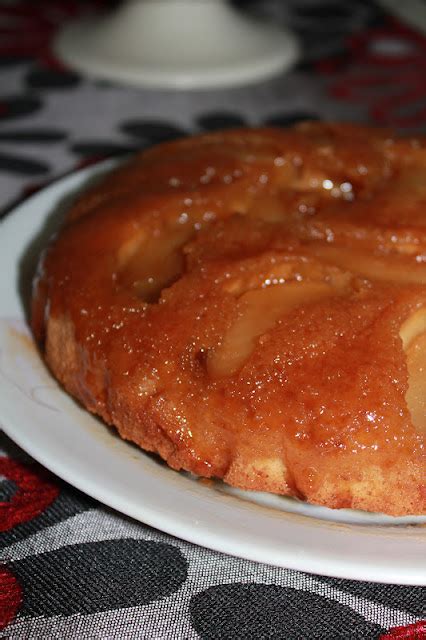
(184, 44)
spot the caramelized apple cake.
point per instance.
(251, 305)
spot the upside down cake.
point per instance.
(251, 305)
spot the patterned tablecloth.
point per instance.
(73, 568)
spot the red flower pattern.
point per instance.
(10, 597)
(35, 493)
(415, 631)
(385, 69)
(26, 29)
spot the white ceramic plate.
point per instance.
(51, 427)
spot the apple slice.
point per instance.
(149, 263)
(260, 309)
(385, 267)
(413, 335)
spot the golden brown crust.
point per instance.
(238, 303)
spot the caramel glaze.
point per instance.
(234, 302)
